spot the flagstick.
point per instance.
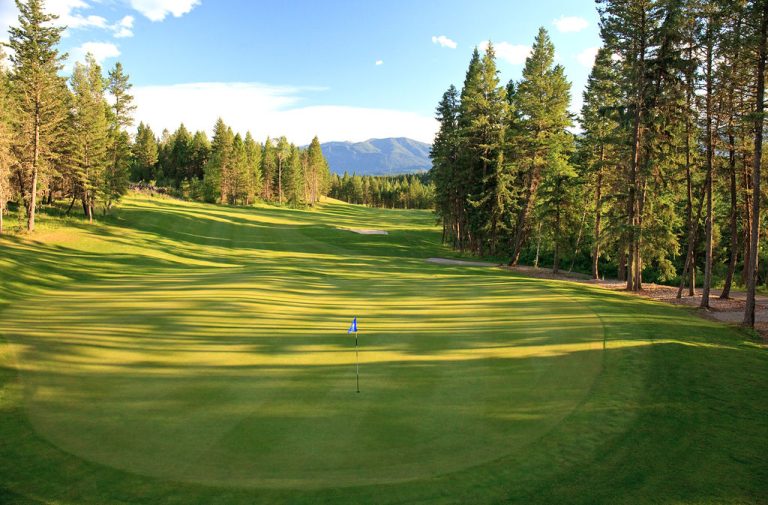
(357, 363)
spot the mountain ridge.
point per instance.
(387, 156)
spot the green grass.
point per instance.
(188, 353)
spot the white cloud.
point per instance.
(567, 24)
(511, 53)
(444, 41)
(157, 10)
(587, 56)
(100, 50)
(123, 28)
(266, 110)
(379, 62)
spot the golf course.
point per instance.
(180, 352)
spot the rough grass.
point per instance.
(187, 353)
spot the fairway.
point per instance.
(191, 353)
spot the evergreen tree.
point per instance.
(541, 101)
(144, 154)
(91, 130)
(117, 174)
(253, 167)
(294, 177)
(180, 156)
(219, 171)
(317, 171)
(600, 120)
(35, 85)
(282, 153)
(445, 156)
(198, 155)
(268, 170)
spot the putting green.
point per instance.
(196, 344)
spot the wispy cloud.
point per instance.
(511, 53)
(157, 10)
(123, 28)
(379, 62)
(101, 51)
(568, 24)
(444, 41)
(267, 110)
(587, 56)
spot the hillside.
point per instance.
(390, 156)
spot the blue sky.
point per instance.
(344, 70)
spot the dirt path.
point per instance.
(446, 261)
(730, 310)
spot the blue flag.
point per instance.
(353, 328)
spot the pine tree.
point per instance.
(268, 170)
(599, 119)
(468, 173)
(282, 153)
(316, 168)
(239, 190)
(144, 154)
(117, 174)
(219, 171)
(495, 199)
(445, 156)
(198, 155)
(253, 167)
(541, 101)
(180, 156)
(35, 85)
(294, 178)
(91, 131)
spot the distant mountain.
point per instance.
(392, 156)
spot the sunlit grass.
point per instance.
(180, 352)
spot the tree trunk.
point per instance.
(733, 222)
(33, 189)
(522, 218)
(693, 234)
(598, 216)
(749, 310)
(638, 242)
(747, 179)
(556, 259)
(710, 148)
(632, 217)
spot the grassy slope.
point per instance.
(185, 353)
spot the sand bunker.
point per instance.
(446, 261)
(366, 231)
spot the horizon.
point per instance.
(346, 73)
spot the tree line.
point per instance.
(231, 168)
(59, 137)
(67, 139)
(664, 178)
(414, 191)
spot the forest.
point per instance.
(659, 177)
(68, 140)
(414, 191)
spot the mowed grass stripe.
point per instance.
(190, 344)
